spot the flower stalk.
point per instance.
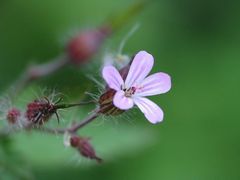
(73, 129)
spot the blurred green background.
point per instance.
(196, 42)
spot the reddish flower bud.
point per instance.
(13, 115)
(84, 147)
(39, 111)
(124, 71)
(106, 103)
(74, 141)
(83, 46)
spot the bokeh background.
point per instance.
(196, 42)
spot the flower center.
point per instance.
(129, 92)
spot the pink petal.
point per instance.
(152, 112)
(157, 83)
(121, 101)
(140, 68)
(112, 77)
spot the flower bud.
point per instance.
(39, 111)
(83, 46)
(124, 71)
(74, 141)
(13, 115)
(106, 103)
(84, 147)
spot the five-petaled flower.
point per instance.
(133, 90)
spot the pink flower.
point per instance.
(133, 90)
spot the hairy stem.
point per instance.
(64, 106)
(83, 123)
(73, 129)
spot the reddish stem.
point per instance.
(73, 129)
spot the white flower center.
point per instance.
(129, 91)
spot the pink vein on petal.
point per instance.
(152, 112)
(154, 84)
(140, 68)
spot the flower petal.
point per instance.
(154, 84)
(112, 77)
(140, 68)
(121, 101)
(152, 112)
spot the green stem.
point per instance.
(64, 106)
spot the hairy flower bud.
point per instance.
(39, 111)
(74, 141)
(84, 147)
(124, 71)
(83, 46)
(13, 115)
(106, 103)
